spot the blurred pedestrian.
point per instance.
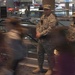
(14, 40)
(5, 56)
(27, 12)
(47, 23)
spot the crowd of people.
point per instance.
(15, 50)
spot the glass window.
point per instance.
(65, 7)
(33, 14)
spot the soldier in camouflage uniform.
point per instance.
(71, 30)
(71, 34)
(47, 23)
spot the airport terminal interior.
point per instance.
(63, 9)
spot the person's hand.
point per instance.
(38, 35)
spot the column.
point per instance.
(67, 8)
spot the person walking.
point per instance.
(14, 40)
(5, 56)
(48, 21)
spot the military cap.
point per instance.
(47, 6)
(73, 15)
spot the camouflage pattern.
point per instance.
(71, 32)
(45, 26)
(47, 6)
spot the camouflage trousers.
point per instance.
(41, 49)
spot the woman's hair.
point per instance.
(15, 22)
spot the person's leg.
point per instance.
(40, 59)
(40, 56)
(51, 60)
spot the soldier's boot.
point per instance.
(49, 72)
(38, 70)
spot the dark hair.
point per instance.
(13, 20)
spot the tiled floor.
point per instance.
(64, 68)
(25, 70)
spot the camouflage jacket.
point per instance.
(46, 24)
(71, 32)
